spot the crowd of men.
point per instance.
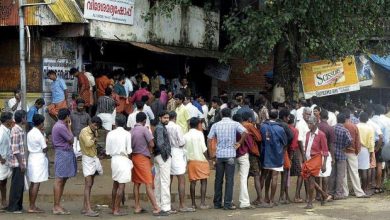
(155, 138)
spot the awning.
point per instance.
(191, 52)
(67, 11)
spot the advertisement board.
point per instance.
(324, 77)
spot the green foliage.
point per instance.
(164, 8)
(328, 29)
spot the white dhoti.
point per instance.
(121, 168)
(76, 147)
(91, 165)
(37, 167)
(107, 120)
(5, 171)
(364, 159)
(328, 167)
(179, 161)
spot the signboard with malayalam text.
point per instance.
(115, 11)
(324, 77)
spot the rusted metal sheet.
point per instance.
(38, 15)
(62, 11)
(67, 11)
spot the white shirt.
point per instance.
(148, 111)
(128, 86)
(36, 142)
(5, 141)
(376, 128)
(195, 145)
(310, 143)
(175, 134)
(91, 80)
(299, 115)
(193, 111)
(224, 105)
(12, 102)
(332, 119)
(118, 142)
(303, 128)
(131, 121)
(205, 110)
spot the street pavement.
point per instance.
(376, 207)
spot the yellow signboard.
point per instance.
(324, 77)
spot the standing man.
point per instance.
(79, 119)
(15, 103)
(5, 143)
(179, 162)
(272, 154)
(118, 145)
(184, 89)
(242, 157)
(316, 153)
(132, 119)
(84, 89)
(367, 142)
(182, 113)
(59, 95)
(342, 140)
(378, 144)
(90, 161)
(38, 164)
(17, 161)
(142, 146)
(39, 103)
(329, 133)
(65, 165)
(141, 92)
(198, 166)
(105, 109)
(303, 128)
(352, 153)
(171, 104)
(162, 164)
(225, 131)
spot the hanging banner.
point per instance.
(364, 70)
(115, 11)
(218, 71)
(324, 78)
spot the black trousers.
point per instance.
(16, 191)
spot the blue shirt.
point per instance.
(226, 131)
(33, 110)
(342, 140)
(197, 105)
(57, 90)
(274, 138)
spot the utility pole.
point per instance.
(22, 48)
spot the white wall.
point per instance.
(180, 29)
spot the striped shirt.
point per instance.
(105, 104)
(17, 146)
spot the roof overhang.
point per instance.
(182, 51)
